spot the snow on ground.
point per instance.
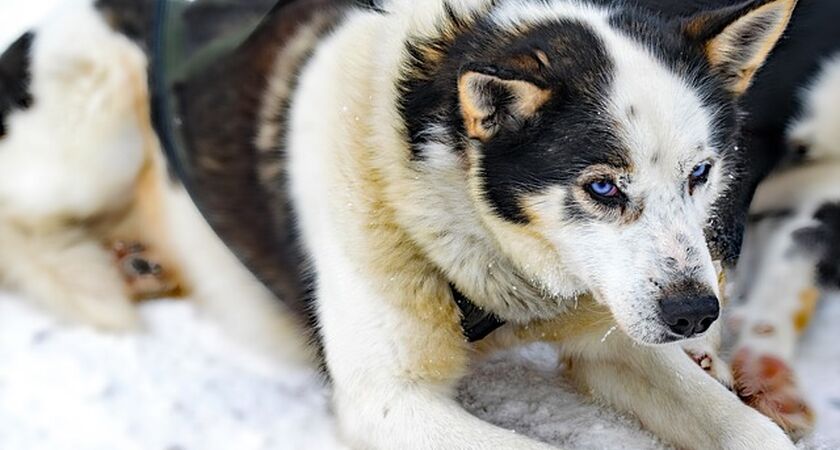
(16, 16)
(181, 385)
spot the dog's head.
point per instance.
(601, 143)
(73, 110)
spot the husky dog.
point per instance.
(436, 179)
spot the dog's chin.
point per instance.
(642, 332)
(654, 336)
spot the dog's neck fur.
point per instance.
(461, 245)
(457, 240)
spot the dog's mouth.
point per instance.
(646, 332)
(659, 334)
(656, 338)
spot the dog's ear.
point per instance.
(492, 99)
(15, 77)
(737, 39)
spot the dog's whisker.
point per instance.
(608, 333)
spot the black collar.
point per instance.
(476, 323)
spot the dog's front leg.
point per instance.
(394, 350)
(672, 396)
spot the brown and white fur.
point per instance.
(387, 234)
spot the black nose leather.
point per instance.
(689, 316)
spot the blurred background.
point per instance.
(18, 15)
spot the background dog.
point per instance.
(86, 186)
(790, 257)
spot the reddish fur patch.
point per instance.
(767, 384)
(764, 329)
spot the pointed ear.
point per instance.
(738, 39)
(492, 99)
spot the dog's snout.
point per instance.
(690, 315)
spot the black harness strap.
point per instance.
(476, 323)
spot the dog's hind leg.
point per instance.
(775, 311)
(68, 272)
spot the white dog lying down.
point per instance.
(495, 215)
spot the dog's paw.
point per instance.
(143, 275)
(754, 431)
(767, 384)
(714, 365)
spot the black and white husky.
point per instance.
(435, 179)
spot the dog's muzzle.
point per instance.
(688, 315)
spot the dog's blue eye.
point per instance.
(604, 188)
(701, 171)
(699, 175)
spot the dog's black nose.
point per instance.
(689, 316)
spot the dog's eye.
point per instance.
(699, 175)
(604, 189)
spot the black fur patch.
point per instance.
(773, 214)
(132, 18)
(206, 21)
(828, 269)
(571, 131)
(15, 77)
(824, 241)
